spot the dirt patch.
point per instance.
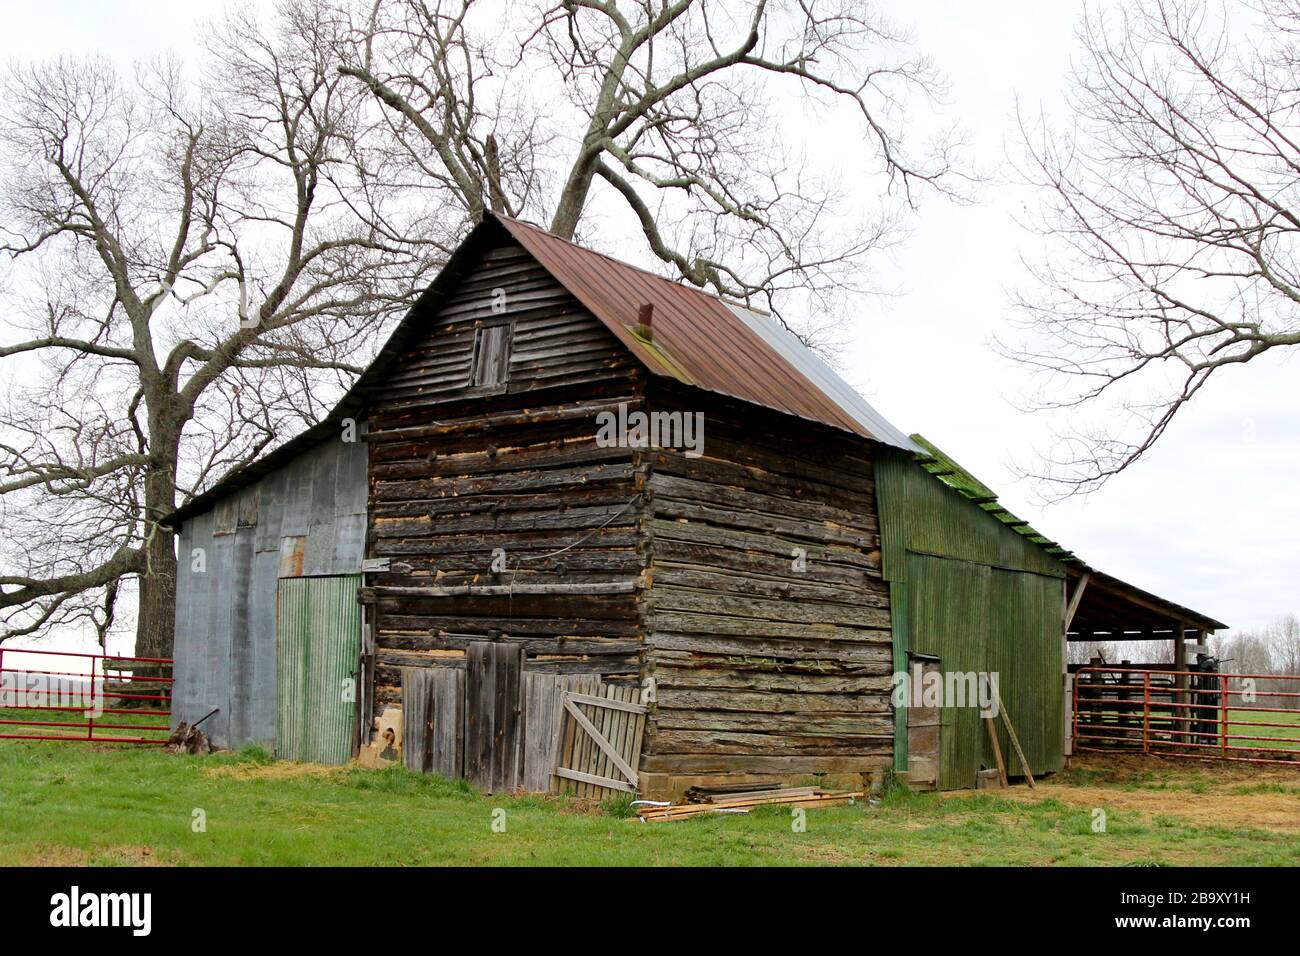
(51, 855)
(1201, 793)
(280, 770)
(1135, 768)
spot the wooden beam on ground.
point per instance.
(992, 729)
(1015, 741)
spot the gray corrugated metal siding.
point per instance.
(225, 615)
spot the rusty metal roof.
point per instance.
(701, 340)
(697, 339)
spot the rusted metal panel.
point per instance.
(318, 642)
(700, 340)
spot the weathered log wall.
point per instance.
(458, 472)
(769, 622)
(746, 581)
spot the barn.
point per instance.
(581, 526)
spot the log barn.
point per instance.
(581, 526)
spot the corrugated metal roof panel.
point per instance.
(824, 377)
(702, 341)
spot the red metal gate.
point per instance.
(120, 699)
(1198, 714)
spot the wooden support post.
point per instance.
(1068, 608)
(1181, 684)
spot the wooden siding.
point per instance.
(757, 667)
(457, 472)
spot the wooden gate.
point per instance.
(506, 729)
(602, 740)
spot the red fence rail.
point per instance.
(104, 691)
(1199, 714)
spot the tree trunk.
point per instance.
(155, 631)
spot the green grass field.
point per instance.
(1283, 738)
(106, 727)
(100, 804)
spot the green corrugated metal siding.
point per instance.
(318, 638)
(918, 512)
(1025, 648)
(976, 618)
(971, 590)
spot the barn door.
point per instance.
(318, 639)
(947, 618)
(492, 708)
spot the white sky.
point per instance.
(1209, 520)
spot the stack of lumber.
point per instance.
(703, 794)
(743, 801)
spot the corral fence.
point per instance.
(73, 696)
(1198, 714)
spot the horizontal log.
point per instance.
(738, 743)
(748, 763)
(688, 555)
(550, 500)
(799, 701)
(511, 459)
(535, 479)
(489, 590)
(604, 607)
(670, 599)
(753, 585)
(697, 532)
(850, 726)
(782, 648)
(533, 645)
(563, 413)
(795, 529)
(516, 543)
(712, 470)
(556, 626)
(694, 490)
(619, 514)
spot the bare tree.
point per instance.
(199, 263)
(1284, 638)
(1172, 220)
(667, 108)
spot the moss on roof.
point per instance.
(947, 470)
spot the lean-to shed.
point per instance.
(564, 474)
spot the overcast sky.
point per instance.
(1209, 520)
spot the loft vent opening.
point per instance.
(490, 365)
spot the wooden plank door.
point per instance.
(433, 720)
(492, 707)
(318, 643)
